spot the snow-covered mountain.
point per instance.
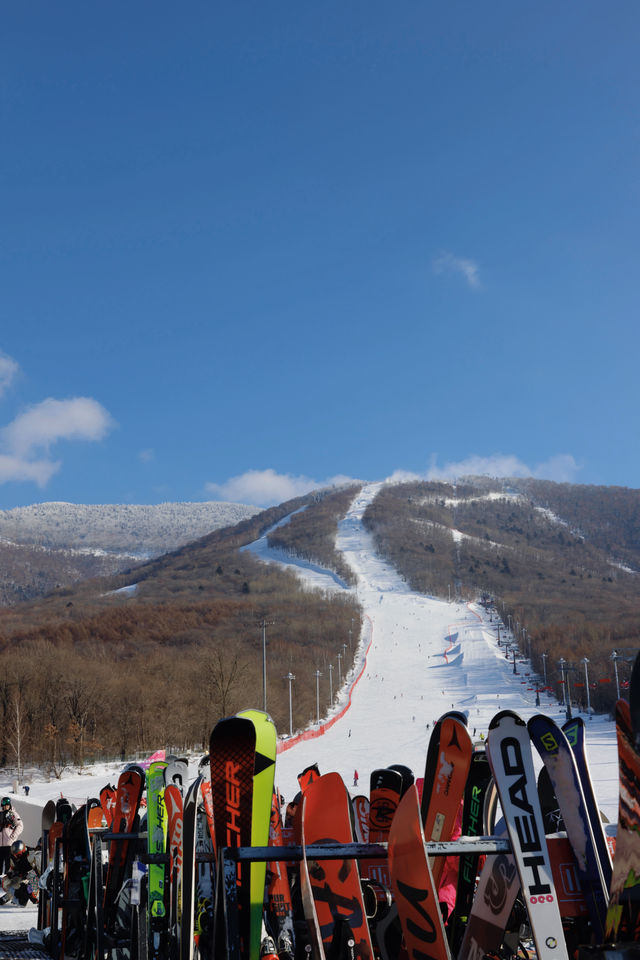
(48, 545)
(140, 530)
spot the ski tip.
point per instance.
(506, 715)
(454, 715)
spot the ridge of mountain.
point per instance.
(50, 545)
(138, 530)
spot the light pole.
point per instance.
(514, 660)
(585, 660)
(615, 657)
(264, 661)
(331, 684)
(290, 677)
(568, 671)
(562, 662)
(544, 667)
(339, 670)
(510, 626)
(317, 676)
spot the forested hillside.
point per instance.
(560, 559)
(157, 654)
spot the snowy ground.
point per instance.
(426, 656)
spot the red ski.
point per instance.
(413, 885)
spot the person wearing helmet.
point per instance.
(11, 827)
(20, 884)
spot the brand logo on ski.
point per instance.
(381, 813)
(503, 874)
(454, 742)
(262, 763)
(525, 824)
(427, 933)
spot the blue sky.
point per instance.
(247, 248)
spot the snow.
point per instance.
(406, 684)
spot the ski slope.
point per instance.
(423, 656)
(426, 656)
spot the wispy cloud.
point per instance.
(266, 487)
(25, 443)
(146, 455)
(8, 371)
(448, 263)
(562, 468)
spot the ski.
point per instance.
(262, 798)
(360, 805)
(48, 818)
(511, 760)
(279, 905)
(444, 782)
(129, 793)
(624, 902)
(157, 928)
(187, 898)
(575, 733)
(385, 790)
(493, 902)
(474, 794)
(557, 756)
(232, 749)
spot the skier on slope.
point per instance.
(11, 827)
(21, 882)
(355, 778)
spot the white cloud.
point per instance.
(8, 370)
(266, 487)
(468, 269)
(146, 455)
(26, 441)
(562, 468)
(35, 471)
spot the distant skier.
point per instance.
(11, 827)
(355, 778)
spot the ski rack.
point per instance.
(228, 860)
(230, 857)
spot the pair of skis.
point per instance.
(242, 752)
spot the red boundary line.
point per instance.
(322, 729)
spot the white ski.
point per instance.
(509, 753)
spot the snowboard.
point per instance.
(331, 891)
(412, 882)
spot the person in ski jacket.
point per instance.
(355, 778)
(11, 827)
(21, 882)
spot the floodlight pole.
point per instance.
(290, 677)
(331, 684)
(339, 670)
(264, 664)
(615, 656)
(568, 671)
(562, 663)
(317, 676)
(585, 660)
